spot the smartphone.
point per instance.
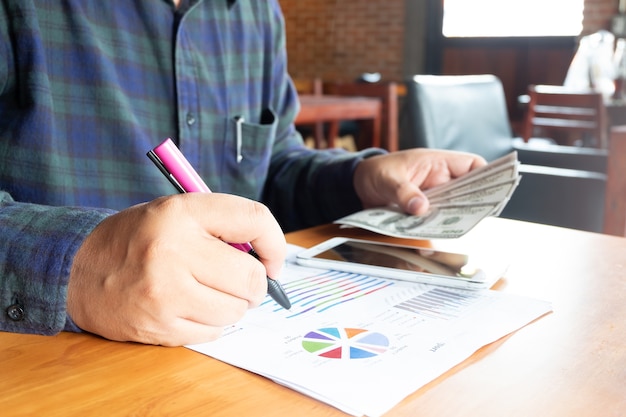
(407, 263)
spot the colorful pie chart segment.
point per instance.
(345, 343)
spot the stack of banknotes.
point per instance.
(455, 207)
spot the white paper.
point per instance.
(362, 343)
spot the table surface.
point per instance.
(571, 362)
(326, 107)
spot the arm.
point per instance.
(310, 187)
(304, 187)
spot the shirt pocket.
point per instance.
(248, 154)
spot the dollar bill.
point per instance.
(488, 195)
(440, 222)
(498, 171)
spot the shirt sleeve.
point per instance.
(37, 247)
(310, 187)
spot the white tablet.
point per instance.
(407, 263)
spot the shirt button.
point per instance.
(191, 119)
(15, 312)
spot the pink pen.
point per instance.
(173, 164)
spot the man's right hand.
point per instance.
(161, 272)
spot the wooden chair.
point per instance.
(387, 93)
(565, 115)
(313, 86)
(308, 85)
(615, 198)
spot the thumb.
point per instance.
(412, 200)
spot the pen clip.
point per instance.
(238, 121)
(159, 164)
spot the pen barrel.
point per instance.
(244, 247)
(252, 252)
(176, 163)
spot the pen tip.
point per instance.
(276, 291)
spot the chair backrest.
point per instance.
(460, 112)
(615, 202)
(565, 115)
(559, 156)
(308, 85)
(388, 95)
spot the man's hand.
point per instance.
(160, 272)
(400, 177)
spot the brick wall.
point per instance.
(598, 14)
(341, 39)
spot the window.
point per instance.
(512, 18)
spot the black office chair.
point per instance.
(466, 113)
(560, 185)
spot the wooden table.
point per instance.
(571, 362)
(334, 109)
(387, 93)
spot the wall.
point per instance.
(340, 39)
(598, 14)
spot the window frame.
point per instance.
(436, 43)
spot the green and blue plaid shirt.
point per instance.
(87, 87)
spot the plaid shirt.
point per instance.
(87, 87)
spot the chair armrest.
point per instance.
(560, 197)
(559, 156)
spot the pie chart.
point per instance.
(345, 343)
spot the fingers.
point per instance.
(238, 220)
(447, 165)
(221, 268)
(186, 332)
(198, 316)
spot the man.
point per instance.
(86, 88)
